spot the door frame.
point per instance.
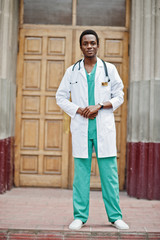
(74, 28)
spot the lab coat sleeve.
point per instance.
(116, 89)
(63, 95)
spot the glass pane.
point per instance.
(101, 12)
(48, 11)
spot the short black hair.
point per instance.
(87, 32)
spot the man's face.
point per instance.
(89, 46)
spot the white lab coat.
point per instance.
(75, 82)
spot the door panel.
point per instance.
(41, 142)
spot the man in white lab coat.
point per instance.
(96, 91)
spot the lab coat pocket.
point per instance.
(74, 83)
(105, 92)
(76, 123)
(73, 125)
(108, 121)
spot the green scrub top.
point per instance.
(92, 130)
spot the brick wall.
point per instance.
(9, 10)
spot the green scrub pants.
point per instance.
(109, 184)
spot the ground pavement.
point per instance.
(45, 213)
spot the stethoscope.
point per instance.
(79, 62)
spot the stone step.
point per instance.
(68, 235)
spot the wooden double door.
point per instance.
(43, 154)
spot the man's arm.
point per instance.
(116, 89)
(63, 95)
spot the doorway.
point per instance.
(43, 155)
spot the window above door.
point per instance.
(75, 12)
(57, 12)
(101, 12)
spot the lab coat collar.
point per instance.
(99, 66)
(99, 62)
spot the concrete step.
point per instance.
(68, 235)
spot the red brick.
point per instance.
(21, 236)
(154, 236)
(78, 235)
(56, 236)
(3, 236)
(106, 237)
(133, 236)
(77, 238)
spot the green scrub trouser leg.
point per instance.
(109, 184)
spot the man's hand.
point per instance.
(92, 116)
(80, 111)
(91, 111)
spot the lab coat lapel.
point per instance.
(99, 68)
(82, 70)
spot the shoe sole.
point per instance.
(119, 227)
(75, 229)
